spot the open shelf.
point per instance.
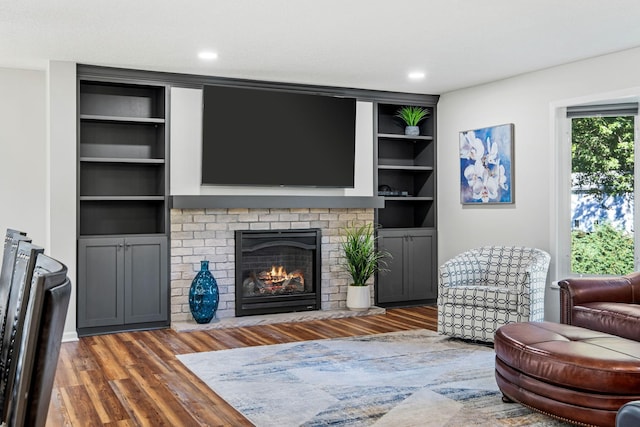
(405, 168)
(121, 179)
(119, 119)
(390, 126)
(125, 101)
(405, 152)
(407, 199)
(122, 140)
(121, 160)
(403, 212)
(416, 183)
(107, 217)
(405, 137)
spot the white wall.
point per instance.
(23, 152)
(38, 171)
(62, 176)
(529, 101)
(186, 154)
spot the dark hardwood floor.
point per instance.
(134, 378)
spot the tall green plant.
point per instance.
(361, 257)
(412, 115)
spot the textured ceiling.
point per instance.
(369, 44)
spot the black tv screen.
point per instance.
(276, 138)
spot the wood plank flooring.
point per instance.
(134, 378)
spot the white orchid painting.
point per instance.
(486, 165)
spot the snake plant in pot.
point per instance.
(361, 260)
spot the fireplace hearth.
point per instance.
(277, 271)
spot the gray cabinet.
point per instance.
(411, 278)
(124, 282)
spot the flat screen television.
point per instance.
(260, 137)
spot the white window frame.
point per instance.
(561, 212)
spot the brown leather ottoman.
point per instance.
(570, 373)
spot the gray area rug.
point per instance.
(399, 379)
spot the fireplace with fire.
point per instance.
(277, 271)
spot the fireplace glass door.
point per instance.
(277, 271)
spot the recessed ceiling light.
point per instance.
(416, 75)
(208, 55)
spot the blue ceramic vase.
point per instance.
(203, 295)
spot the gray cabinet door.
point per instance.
(101, 282)
(391, 283)
(146, 289)
(420, 264)
(411, 275)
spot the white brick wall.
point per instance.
(199, 234)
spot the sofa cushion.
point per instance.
(615, 318)
(481, 296)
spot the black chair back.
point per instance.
(46, 312)
(11, 240)
(13, 319)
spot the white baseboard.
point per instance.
(70, 336)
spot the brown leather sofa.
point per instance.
(585, 368)
(605, 304)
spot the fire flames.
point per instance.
(278, 274)
(274, 282)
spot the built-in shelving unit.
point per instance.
(406, 180)
(406, 169)
(123, 194)
(122, 134)
(122, 205)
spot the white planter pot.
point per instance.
(358, 298)
(412, 130)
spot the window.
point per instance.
(602, 180)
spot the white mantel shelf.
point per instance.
(266, 202)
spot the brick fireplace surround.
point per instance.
(198, 234)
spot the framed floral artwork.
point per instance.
(486, 165)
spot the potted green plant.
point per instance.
(362, 259)
(412, 116)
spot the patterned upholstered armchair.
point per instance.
(484, 288)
